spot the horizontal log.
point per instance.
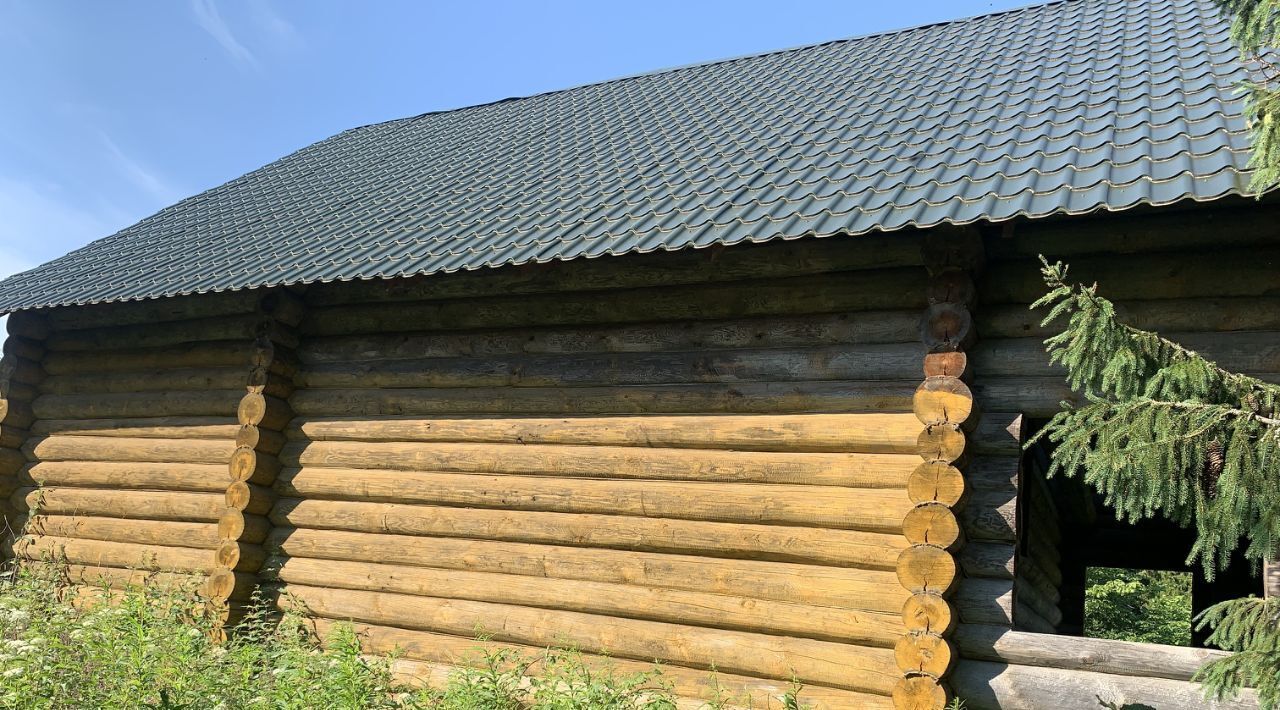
(236, 525)
(870, 510)
(770, 397)
(990, 515)
(867, 590)
(28, 324)
(252, 436)
(147, 505)
(802, 331)
(1175, 315)
(717, 611)
(987, 559)
(1038, 601)
(11, 460)
(157, 380)
(1028, 619)
(1196, 229)
(1148, 660)
(176, 403)
(207, 478)
(219, 428)
(998, 433)
(984, 601)
(226, 353)
(263, 411)
(690, 266)
(252, 466)
(104, 448)
(156, 311)
(12, 437)
(1230, 272)
(997, 686)
(687, 682)
(146, 335)
(843, 548)
(224, 585)
(100, 553)
(1243, 351)
(116, 578)
(143, 532)
(22, 347)
(895, 361)
(15, 407)
(778, 657)
(22, 370)
(1039, 397)
(612, 462)
(993, 474)
(238, 556)
(822, 293)
(249, 498)
(870, 433)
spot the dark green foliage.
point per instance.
(1138, 605)
(1255, 28)
(1165, 431)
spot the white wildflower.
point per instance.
(12, 672)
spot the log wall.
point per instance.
(713, 458)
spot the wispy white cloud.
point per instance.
(210, 19)
(145, 179)
(280, 30)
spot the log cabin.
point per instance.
(727, 367)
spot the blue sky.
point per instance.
(112, 110)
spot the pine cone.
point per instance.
(1214, 460)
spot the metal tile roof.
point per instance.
(1068, 107)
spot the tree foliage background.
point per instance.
(1255, 29)
(1149, 606)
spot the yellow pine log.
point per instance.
(943, 400)
(235, 525)
(824, 293)
(611, 462)
(253, 466)
(717, 611)
(148, 505)
(101, 553)
(796, 331)
(777, 657)
(771, 397)
(249, 498)
(927, 612)
(871, 433)
(868, 590)
(264, 411)
(115, 578)
(932, 524)
(920, 692)
(924, 653)
(944, 443)
(935, 481)
(266, 441)
(925, 568)
(870, 510)
(224, 585)
(893, 361)
(104, 448)
(209, 478)
(143, 532)
(238, 556)
(172, 403)
(687, 682)
(947, 364)
(843, 548)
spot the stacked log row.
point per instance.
(132, 430)
(261, 415)
(702, 466)
(943, 403)
(20, 376)
(1039, 571)
(1206, 279)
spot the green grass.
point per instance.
(153, 647)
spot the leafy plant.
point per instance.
(1138, 605)
(1165, 431)
(1255, 29)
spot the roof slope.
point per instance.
(1072, 106)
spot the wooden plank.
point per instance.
(718, 611)
(844, 548)
(787, 397)
(870, 510)
(613, 462)
(997, 686)
(821, 293)
(796, 331)
(871, 433)
(778, 657)
(868, 590)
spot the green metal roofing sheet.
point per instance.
(1068, 107)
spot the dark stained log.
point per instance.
(1243, 351)
(990, 515)
(1173, 315)
(129, 337)
(950, 364)
(947, 327)
(987, 559)
(985, 601)
(998, 432)
(177, 403)
(16, 346)
(211, 354)
(823, 293)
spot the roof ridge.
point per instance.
(718, 62)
